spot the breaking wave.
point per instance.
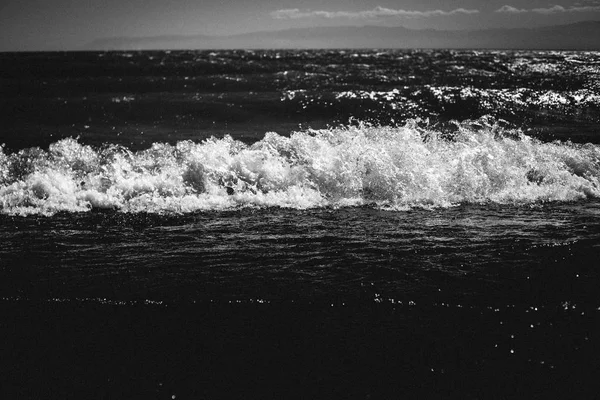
(414, 165)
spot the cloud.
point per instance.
(377, 12)
(552, 10)
(560, 9)
(556, 9)
(510, 10)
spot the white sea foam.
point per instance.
(389, 167)
(493, 99)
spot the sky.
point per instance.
(29, 25)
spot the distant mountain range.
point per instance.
(578, 36)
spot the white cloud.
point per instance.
(510, 10)
(556, 9)
(560, 9)
(551, 10)
(377, 12)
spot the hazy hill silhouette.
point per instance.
(578, 36)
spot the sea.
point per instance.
(300, 224)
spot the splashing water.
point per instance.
(389, 167)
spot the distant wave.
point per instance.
(414, 165)
(429, 101)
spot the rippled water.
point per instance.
(477, 254)
(138, 98)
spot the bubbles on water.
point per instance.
(395, 168)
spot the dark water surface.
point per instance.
(435, 235)
(138, 98)
(529, 255)
(472, 302)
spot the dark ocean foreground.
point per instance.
(300, 224)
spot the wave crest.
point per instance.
(413, 165)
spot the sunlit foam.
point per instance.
(388, 167)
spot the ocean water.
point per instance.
(300, 224)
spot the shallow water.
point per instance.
(532, 255)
